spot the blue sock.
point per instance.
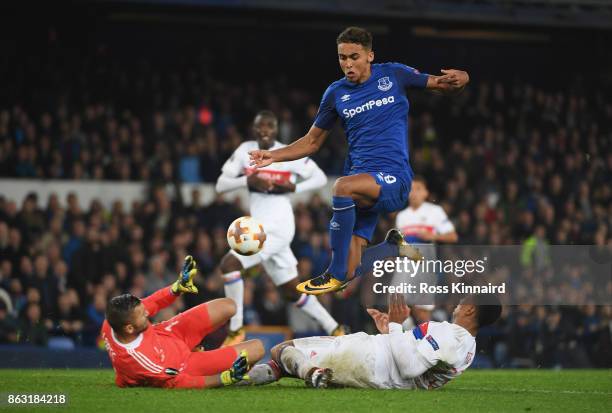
(340, 233)
(377, 252)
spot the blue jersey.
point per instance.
(374, 117)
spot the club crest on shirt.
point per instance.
(384, 83)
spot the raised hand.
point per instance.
(398, 309)
(184, 283)
(454, 78)
(260, 158)
(381, 320)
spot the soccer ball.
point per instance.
(246, 235)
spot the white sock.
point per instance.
(234, 289)
(311, 306)
(262, 374)
(295, 362)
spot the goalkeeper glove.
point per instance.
(238, 371)
(184, 283)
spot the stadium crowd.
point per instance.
(510, 163)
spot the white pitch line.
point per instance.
(530, 390)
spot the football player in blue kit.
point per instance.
(371, 102)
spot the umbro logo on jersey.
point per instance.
(349, 113)
(345, 98)
(384, 83)
(334, 225)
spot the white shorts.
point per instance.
(276, 257)
(352, 357)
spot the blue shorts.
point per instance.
(394, 190)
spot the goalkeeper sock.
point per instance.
(295, 363)
(340, 234)
(311, 306)
(234, 289)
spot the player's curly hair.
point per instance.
(119, 310)
(356, 35)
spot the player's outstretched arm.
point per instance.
(451, 82)
(305, 146)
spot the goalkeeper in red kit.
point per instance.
(161, 355)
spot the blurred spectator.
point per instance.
(32, 328)
(8, 325)
(69, 318)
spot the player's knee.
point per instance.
(258, 351)
(228, 307)
(276, 350)
(342, 187)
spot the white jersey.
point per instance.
(428, 217)
(440, 351)
(273, 210)
(426, 357)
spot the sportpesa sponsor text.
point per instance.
(349, 113)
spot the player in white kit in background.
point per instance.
(269, 203)
(423, 224)
(426, 357)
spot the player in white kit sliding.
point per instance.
(269, 203)
(426, 357)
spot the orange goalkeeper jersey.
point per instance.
(156, 357)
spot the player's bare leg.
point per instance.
(360, 190)
(220, 311)
(233, 286)
(254, 349)
(312, 307)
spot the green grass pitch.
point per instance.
(475, 391)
